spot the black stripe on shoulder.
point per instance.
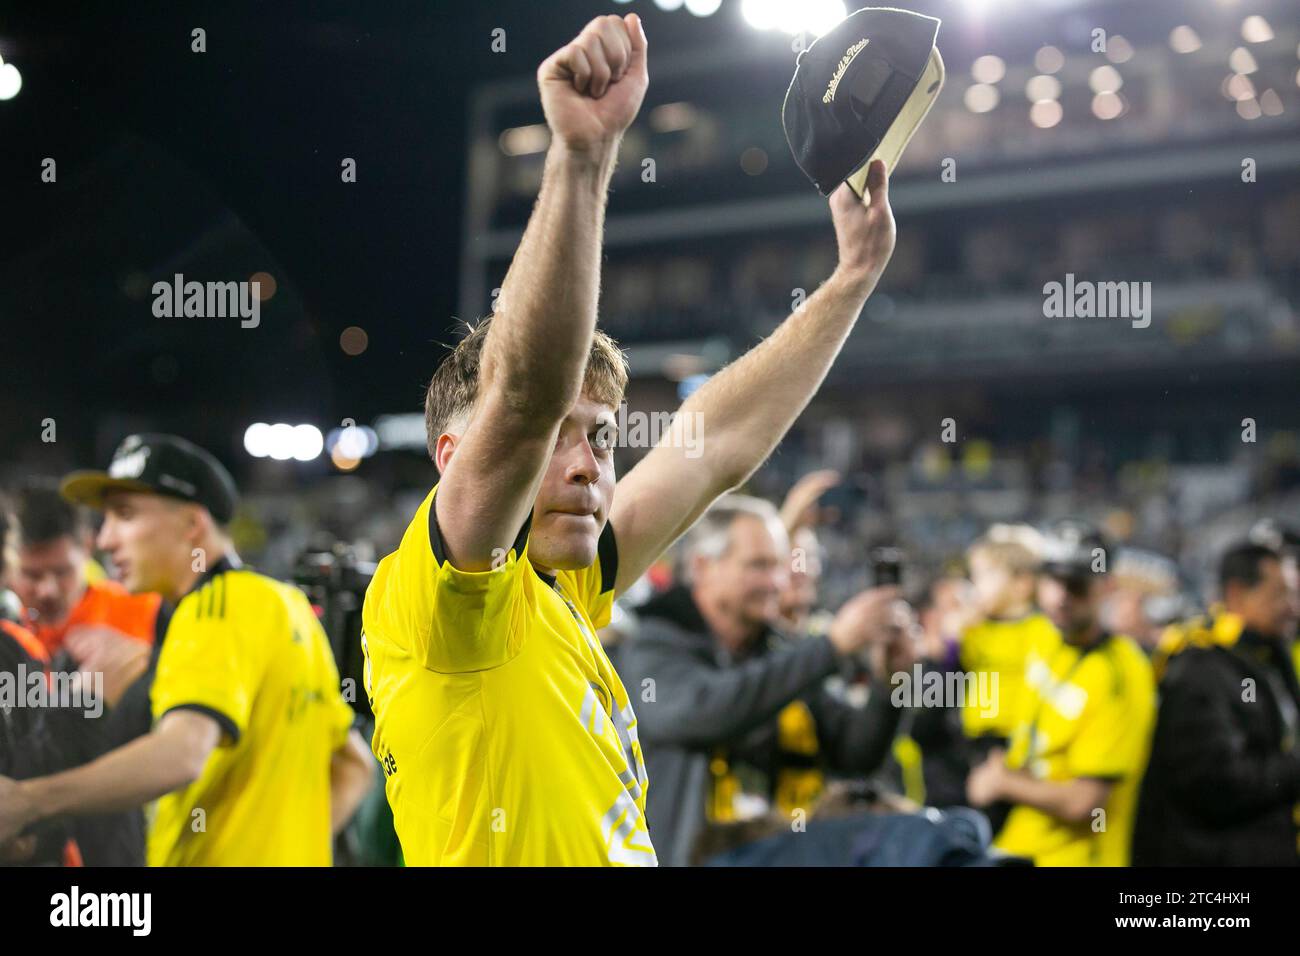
(440, 550)
(222, 611)
(607, 554)
(225, 723)
(161, 622)
(522, 537)
(435, 534)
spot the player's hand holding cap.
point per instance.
(159, 465)
(859, 93)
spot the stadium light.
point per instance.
(1107, 105)
(668, 4)
(1049, 59)
(282, 441)
(1183, 39)
(1255, 29)
(1238, 87)
(257, 440)
(793, 16)
(11, 81)
(981, 97)
(1045, 114)
(307, 442)
(1241, 61)
(988, 69)
(1105, 79)
(342, 462)
(703, 8)
(672, 117)
(1043, 87)
(1119, 50)
(525, 140)
(354, 442)
(759, 14)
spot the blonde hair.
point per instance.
(454, 387)
(1015, 548)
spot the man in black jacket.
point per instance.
(28, 744)
(734, 716)
(1224, 778)
(36, 742)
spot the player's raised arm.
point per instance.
(540, 337)
(746, 408)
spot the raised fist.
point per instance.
(592, 88)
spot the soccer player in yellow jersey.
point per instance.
(252, 759)
(1003, 571)
(506, 736)
(1083, 733)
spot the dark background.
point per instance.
(229, 161)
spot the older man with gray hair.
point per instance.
(734, 718)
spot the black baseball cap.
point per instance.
(1276, 536)
(159, 465)
(1069, 550)
(859, 93)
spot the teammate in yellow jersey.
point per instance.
(505, 734)
(1085, 718)
(252, 759)
(1003, 565)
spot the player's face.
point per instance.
(147, 538)
(1126, 614)
(49, 578)
(1267, 607)
(1072, 605)
(994, 585)
(577, 490)
(747, 580)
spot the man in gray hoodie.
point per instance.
(734, 715)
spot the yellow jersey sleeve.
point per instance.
(207, 664)
(593, 587)
(454, 621)
(1112, 739)
(339, 715)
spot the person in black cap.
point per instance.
(1084, 721)
(252, 757)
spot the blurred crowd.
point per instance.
(1045, 696)
(1056, 683)
(989, 276)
